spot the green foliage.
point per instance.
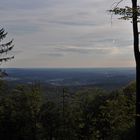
(90, 114)
(19, 113)
(3, 88)
(49, 119)
(126, 12)
(118, 116)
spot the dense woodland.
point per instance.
(26, 113)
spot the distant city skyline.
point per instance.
(66, 33)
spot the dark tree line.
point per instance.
(90, 114)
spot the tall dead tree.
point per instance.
(133, 14)
(4, 49)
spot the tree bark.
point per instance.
(137, 101)
(137, 59)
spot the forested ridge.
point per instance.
(26, 113)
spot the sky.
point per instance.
(66, 33)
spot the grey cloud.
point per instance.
(72, 23)
(15, 52)
(21, 5)
(63, 29)
(119, 42)
(52, 54)
(83, 50)
(73, 50)
(22, 29)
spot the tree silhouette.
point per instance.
(4, 49)
(133, 13)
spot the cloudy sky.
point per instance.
(66, 33)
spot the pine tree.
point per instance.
(4, 49)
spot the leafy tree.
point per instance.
(117, 114)
(90, 114)
(19, 114)
(133, 13)
(105, 116)
(57, 117)
(86, 111)
(30, 100)
(50, 121)
(4, 89)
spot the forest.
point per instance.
(69, 38)
(26, 113)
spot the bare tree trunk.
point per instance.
(137, 58)
(137, 101)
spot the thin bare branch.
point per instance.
(113, 6)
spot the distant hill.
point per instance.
(109, 78)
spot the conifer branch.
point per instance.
(5, 47)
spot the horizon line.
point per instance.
(64, 67)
